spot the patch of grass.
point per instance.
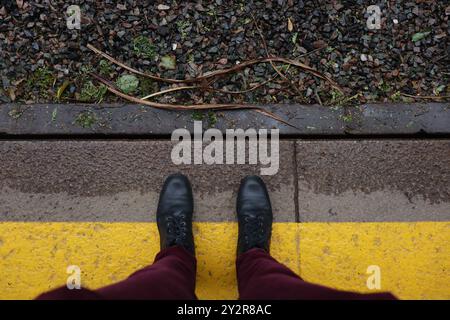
(396, 96)
(92, 93)
(347, 118)
(85, 69)
(197, 115)
(384, 87)
(183, 27)
(294, 37)
(212, 118)
(15, 113)
(143, 47)
(86, 119)
(54, 114)
(191, 58)
(41, 80)
(336, 97)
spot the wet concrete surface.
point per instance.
(120, 181)
(374, 180)
(318, 180)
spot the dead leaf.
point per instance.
(290, 25)
(61, 89)
(12, 94)
(319, 44)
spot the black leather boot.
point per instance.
(174, 215)
(254, 214)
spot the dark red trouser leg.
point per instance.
(261, 277)
(171, 276)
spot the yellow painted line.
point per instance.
(414, 258)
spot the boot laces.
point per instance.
(177, 228)
(254, 229)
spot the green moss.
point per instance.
(294, 37)
(128, 83)
(347, 118)
(197, 115)
(15, 113)
(143, 47)
(86, 119)
(41, 80)
(336, 97)
(396, 96)
(54, 114)
(92, 93)
(105, 67)
(212, 118)
(182, 27)
(384, 87)
(147, 86)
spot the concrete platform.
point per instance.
(320, 180)
(340, 206)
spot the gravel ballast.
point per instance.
(39, 53)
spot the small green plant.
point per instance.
(212, 118)
(396, 96)
(336, 97)
(128, 83)
(437, 91)
(91, 92)
(15, 113)
(183, 27)
(197, 115)
(347, 118)
(143, 47)
(294, 37)
(384, 87)
(54, 114)
(85, 69)
(41, 79)
(105, 67)
(86, 119)
(147, 86)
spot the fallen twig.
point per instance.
(221, 72)
(246, 90)
(268, 55)
(207, 106)
(424, 97)
(169, 90)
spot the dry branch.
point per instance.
(207, 106)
